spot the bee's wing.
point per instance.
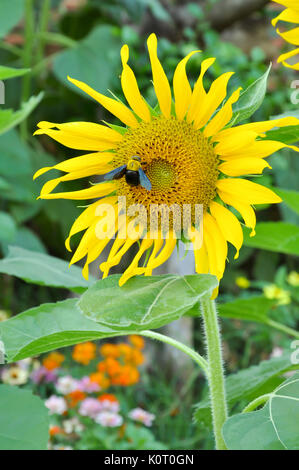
(144, 181)
(116, 173)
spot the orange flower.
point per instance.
(74, 398)
(124, 350)
(84, 352)
(55, 430)
(113, 367)
(137, 341)
(53, 360)
(109, 350)
(107, 396)
(100, 379)
(102, 366)
(137, 357)
(129, 376)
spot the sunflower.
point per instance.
(190, 154)
(290, 15)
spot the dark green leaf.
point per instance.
(10, 118)
(40, 268)
(11, 12)
(8, 228)
(251, 309)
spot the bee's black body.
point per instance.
(132, 177)
(133, 173)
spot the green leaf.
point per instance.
(287, 135)
(274, 427)
(290, 198)
(247, 384)
(144, 302)
(251, 99)
(88, 61)
(43, 269)
(11, 12)
(8, 227)
(26, 238)
(9, 72)
(275, 236)
(10, 118)
(47, 327)
(24, 423)
(250, 309)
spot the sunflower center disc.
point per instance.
(179, 161)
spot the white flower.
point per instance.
(109, 419)
(277, 351)
(90, 407)
(72, 425)
(56, 405)
(25, 363)
(109, 405)
(138, 414)
(66, 384)
(14, 376)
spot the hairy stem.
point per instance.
(255, 403)
(216, 375)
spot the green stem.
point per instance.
(284, 328)
(216, 375)
(27, 57)
(182, 347)
(255, 403)
(43, 26)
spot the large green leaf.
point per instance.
(251, 99)
(247, 384)
(9, 72)
(24, 423)
(144, 302)
(290, 198)
(8, 227)
(250, 309)
(11, 12)
(48, 327)
(274, 427)
(40, 268)
(10, 118)
(88, 60)
(275, 236)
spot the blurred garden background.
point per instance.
(153, 398)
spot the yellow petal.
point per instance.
(199, 92)
(160, 80)
(283, 57)
(213, 99)
(289, 3)
(93, 253)
(165, 253)
(86, 218)
(81, 135)
(223, 116)
(158, 243)
(233, 143)
(200, 252)
(88, 239)
(133, 269)
(247, 191)
(244, 209)
(181, 88)
(216, 245)
(243, 166)
(258, 127)
(258, 149)
(291, 36)
(96, 191)
(289, 15)
(228, 224)
(130, 88)
(97, 159)
(114, 107)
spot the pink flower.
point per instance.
(86, 385)
(109, 419)
(43, 375)
(56, 405)
(90, 407)
(108, 405)
(138, 414)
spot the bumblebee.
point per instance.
(132, 172)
